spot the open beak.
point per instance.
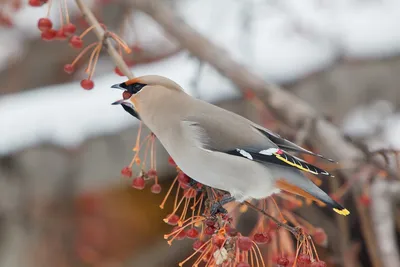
(118, 102)
(128, 107)
(117, 86)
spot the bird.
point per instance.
(219, 148)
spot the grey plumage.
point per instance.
(219, 148)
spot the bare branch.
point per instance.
(100, 33)
(383, 194)
(292, 110)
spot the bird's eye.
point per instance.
(135, 88)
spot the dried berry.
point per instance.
(155, 189)
(138, 183)
(126, 171)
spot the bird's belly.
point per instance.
(241, 177)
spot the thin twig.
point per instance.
(100, 33)
(291, 109)
(295, 231)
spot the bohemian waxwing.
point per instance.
(219, 148)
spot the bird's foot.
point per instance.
(217, 206)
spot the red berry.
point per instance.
(76, 42)
(126, 172)
(60, 35)
(138, 183)
(172, 219)
(283, 261)
(198, 244)
(171, 161)
(262, 238)
(152, 173)
(181, 235)
(155, 189)
(45, 24)
(118, 71)
(210, 222)
(231, 231)
(126, 95)
(218, 240)
(192, 233)
(209, 230)
(365, 200)
(244, 243)
(318, 264)
(319, 236)
(35, 3)
(183, 179)
(69, 68)
(87, 84)
(303, 260)
(49, 35)
(243, 264)
(69, 29)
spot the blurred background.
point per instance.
(62, 199)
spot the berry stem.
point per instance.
(61, 14)
(92, 55)
(49, 8)
(66, 11)
(279, 210)
(197, 251)
(99, 31)
(95, 59)
(168, 193)
(291, 229)
(120, 42)
(83, 34)
(84, 51)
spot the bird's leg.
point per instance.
(217, 206)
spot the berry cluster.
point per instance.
(146, 146)
(66, 32)
(215, 238)
(216, 242)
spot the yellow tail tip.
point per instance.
(343, 212)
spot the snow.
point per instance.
(377, 124)
(67, 115)
(281, 40)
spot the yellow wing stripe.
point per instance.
(343, 212)
(294, 164)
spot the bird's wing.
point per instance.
(286, 144)
(279, 157)
(235, 136)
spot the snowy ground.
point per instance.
(281, 40)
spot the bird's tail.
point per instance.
(309, 190)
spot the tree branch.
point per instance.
(100, 33)
(383, 194)
(292, 110)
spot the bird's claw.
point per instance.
(217, 207)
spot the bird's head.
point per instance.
(139, 90)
